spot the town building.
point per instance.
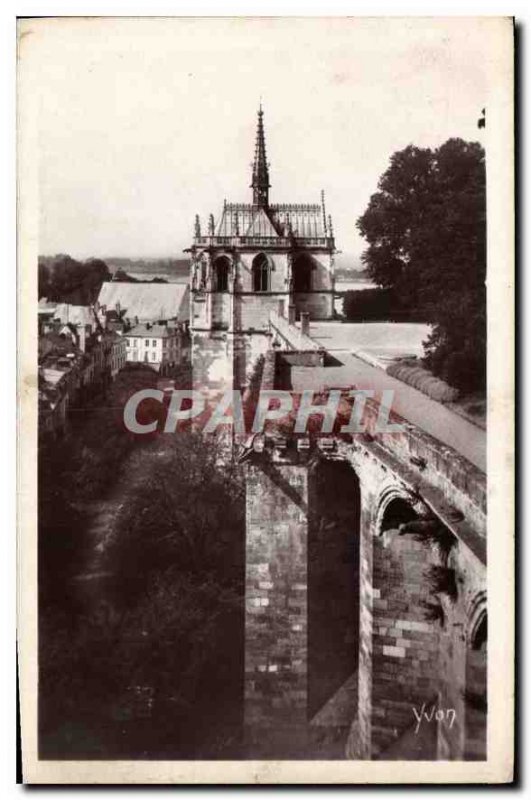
(160, 346)
(78, 357)
(258, 257)
(116, 346)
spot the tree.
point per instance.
(62, 279)
(426, 229)
(149, 661)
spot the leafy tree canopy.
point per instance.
(63, 279)
(426, 230)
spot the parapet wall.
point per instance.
(445, 475)
(447, 479)
(292, 338)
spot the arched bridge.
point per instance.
(365, 620)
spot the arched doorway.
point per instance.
(333, 580)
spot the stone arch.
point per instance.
(221, 267)
(261, 272)
(476, 615)
(393, 497)
(475, 695)
(404, 642)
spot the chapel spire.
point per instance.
(260, 183)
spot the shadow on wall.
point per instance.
(333, 580)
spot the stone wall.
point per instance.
(405, 648)
(252, 310)
(319, 305)
(290, 337)
(222, 360)
(276, 609)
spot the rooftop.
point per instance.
(147, 301)
(75, 315)
(152, 331)
(265, 223)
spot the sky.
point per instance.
(144, 123)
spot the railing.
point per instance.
(280, 242)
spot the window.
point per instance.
(146, 342)
(261, 272)
(302, 273)
(135, 342)
(153, 356)
(154, 343)
(221, 269)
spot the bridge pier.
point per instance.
(356, 619)
(276, 621)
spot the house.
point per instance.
(160, 346)
(77, 359)
(116, 352)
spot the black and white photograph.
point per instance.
(266, 303)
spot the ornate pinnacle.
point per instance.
(211, 227)
(197, 227)
(324, 210)
(260, 181)
(289, 226)
(330, 228)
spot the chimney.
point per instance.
(281, 307)
(305, 323)
(118, 307)
(291, 314)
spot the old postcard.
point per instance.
(266, 295)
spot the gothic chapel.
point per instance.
(257, 258)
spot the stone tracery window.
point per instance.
(221, 274)
(261, 273)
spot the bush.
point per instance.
(376, 305)
(424, 381)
